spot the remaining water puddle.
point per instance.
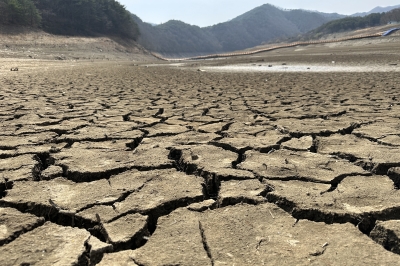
(302, 68)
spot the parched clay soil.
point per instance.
(119, 163)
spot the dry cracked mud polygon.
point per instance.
(120, 164)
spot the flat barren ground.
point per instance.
(199, 163)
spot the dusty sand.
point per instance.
(126, 163)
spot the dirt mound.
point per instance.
(35, 44)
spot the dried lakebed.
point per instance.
(274, 67)
(119, 164)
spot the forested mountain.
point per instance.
(176, 38)
(391, 16)
(71, 17)
(354, 23)
(19, 12)
(262, 24)
(350, 23)
(377, 9)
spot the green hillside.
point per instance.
(70, 17)
(355, 23)
(176, 36)
(19, 12)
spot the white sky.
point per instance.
(209, 12)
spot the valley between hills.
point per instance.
(111, 156)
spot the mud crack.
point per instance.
(205, 244)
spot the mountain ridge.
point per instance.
(259, 25)
(377, 9)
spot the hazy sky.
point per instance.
(209, 12)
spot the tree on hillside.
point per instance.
(350, 23)
(393, 15)
(19, 12)
(87, 17)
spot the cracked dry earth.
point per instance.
(117, 164)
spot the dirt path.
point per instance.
(162, 164)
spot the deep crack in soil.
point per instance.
(161, 164)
